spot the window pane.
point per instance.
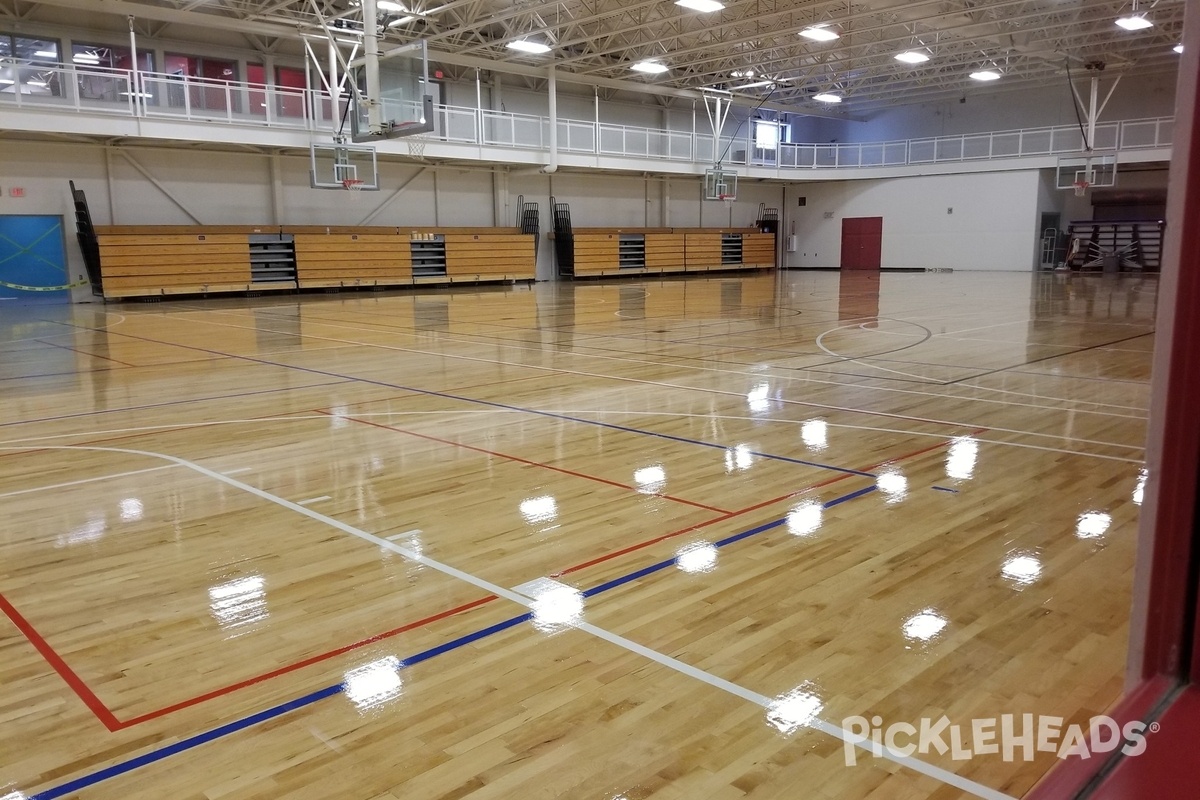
(205, 83)
(256, 76)
(766, 135)
(290, 96)
(31, 66)
(103, 72)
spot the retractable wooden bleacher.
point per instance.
(160, 260)
(639, 251)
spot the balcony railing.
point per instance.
(149, 95)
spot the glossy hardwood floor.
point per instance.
(603, 540)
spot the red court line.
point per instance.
(530, 463)
(113, 724)
(233, 687)
(731, 514)
(454, 389)
(65, 672)
(347, 648)
(84, 353)
(33, 448)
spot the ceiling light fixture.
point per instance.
(1133, 21)
(526, 46)
(1178, 48)
(650, 67)
(45, 54)
(704, 6)
(986, 75)
(912, 57)
(820, 33)
(827, 97)
(389, 5)
(755, 85)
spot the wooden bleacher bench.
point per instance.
(153, 260)
(597, 251)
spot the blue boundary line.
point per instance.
(254, 719)
(329, 691)
(493, 404)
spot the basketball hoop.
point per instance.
(1081, 188)
(416, 147)
(352, 185)
(727, 199)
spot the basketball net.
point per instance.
(1081, 188)
(352, 185)
(416, 147)
(728, 200)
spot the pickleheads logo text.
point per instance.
(1008, 736)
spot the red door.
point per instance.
(862, 242)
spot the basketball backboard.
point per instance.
(332, 165)
(720, 184)
(405, 95)
(1097, 170)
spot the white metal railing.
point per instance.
(84, 89)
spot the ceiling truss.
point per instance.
(1030, 42)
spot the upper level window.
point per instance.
(766, 134)
(27, 64)
(104, 72)
(207, 83)
(287, 92)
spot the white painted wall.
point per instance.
(998, 110)
(187, 186)
(992, 227)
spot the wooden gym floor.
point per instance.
(596, 540)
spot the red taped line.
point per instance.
(528, 462)
(65, 672)
(452, 389)
(85, 353)
(233, 687)
(731, 514)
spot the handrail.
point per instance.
(94, 89)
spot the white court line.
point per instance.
(757, 420)
(643, 381)
(925, 378)
(237, 471)
(405, 535)
(844, 359)
(311, 499)
(774, 375)
(86, 480)
(937, 773)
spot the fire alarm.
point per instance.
(16, 191)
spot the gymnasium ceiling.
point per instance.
(1029, 42)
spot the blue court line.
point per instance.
(329, 691)
(170, 403)
(728, 540)
(254, 719)
(493, 404)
